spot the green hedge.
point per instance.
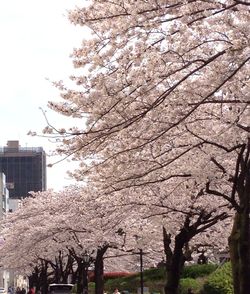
(155, 279)
(198, 270)
(220, 281)
(187, 283)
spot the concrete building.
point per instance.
(4, 196)
(25, 169)
(22, 170)
(4, 208)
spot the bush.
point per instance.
(220, 281)
(187, 283)
(154, 274)
(198, 270)
(91, 288)
(153, 279)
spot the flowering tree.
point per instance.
(164, 92)
(52, 231)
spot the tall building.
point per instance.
(4, 196)
(4, 208)
(24, 167)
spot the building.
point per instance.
(22, 170)
(4, 207)
(24, 167)
(4, 196)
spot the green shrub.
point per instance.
(154, 279)
(198, 270)
(132, 283)
(220, 281)
(154, 274)
(91, 288)
(187, 283)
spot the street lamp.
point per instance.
(85, 260)
(139, 242)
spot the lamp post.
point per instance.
(141, 271)
(85, 259)
(139, 242)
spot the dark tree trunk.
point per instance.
(176, 257)
(34, 278)
(239, 238)
(68, 270)
(85, 279)
(80, 277)
(233, 241)
(44, 278)
(99, 270)
(239, 253)
(174, 264)
(74, 277)
(57, 273)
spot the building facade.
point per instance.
(4, 208)
(24, 167)
(4, 196)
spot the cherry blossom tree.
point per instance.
(164, 91)
(53, 230)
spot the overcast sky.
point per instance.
(36, 41)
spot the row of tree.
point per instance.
(161, 102)
(55, 237)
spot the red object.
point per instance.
(110, 275)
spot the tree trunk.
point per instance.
(34, 278)
(239, 239)
(239, 253)
(80, 277)
(244, 272)
(174, 267)
(43, 278)
(85, 279)
(99, 270)
(233, 241)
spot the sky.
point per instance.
(36, 42)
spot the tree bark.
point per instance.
(85, 278)
(34, 278)
(233, 241)
(239, 253)
(239, 238)
(175, 265)
(99, 270)
(44, 278)
(80, 277)
(176, 257)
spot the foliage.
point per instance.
(220, 281)
(154, 274)
(198, 270)
(189, 283)
(153, 279)
(91, 288)
(122, 283)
